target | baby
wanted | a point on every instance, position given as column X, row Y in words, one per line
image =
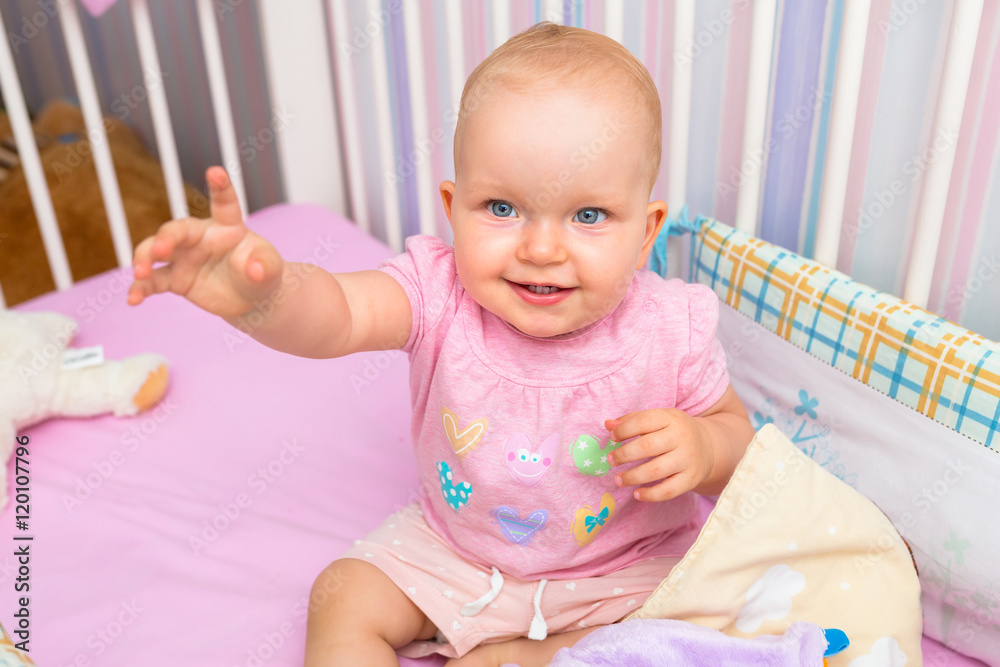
column 565, row 403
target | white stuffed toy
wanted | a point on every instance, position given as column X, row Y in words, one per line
column 34, row 385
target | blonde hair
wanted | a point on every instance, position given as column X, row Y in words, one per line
column 549, row 54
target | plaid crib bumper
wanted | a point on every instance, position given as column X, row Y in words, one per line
column 938, row 368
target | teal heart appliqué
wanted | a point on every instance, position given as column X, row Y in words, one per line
column 456, row 495
column 588, row 456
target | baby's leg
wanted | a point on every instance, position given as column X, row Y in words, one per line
column 521, row 651
column 358, row 616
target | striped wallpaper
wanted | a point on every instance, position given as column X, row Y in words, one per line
column 892, row 145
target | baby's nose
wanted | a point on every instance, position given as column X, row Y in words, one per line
column 542, row 243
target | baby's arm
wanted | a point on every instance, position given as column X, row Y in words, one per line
column 686, row 453
column 221, row 266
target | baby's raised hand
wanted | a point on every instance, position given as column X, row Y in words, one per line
column 680, row 456
column 216, row 263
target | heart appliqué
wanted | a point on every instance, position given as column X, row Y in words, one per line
column 468, row 439
column 588, row 523
column 516, row 529
column 456, row 495
column 589, row 457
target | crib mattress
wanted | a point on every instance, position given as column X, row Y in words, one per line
column 191, row 534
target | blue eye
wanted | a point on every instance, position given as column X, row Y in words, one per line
column 590, row 216
column 502, row 209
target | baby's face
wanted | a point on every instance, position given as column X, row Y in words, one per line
column 551, row 192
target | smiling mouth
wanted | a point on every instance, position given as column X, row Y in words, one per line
column 540, row 289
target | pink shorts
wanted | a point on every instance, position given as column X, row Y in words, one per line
column 473, row 605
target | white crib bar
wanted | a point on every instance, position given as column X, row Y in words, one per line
column 850, row 58
column 614, row 19
column 552, row 10
column 221, row 107
column 680, row 106
column 304, row 116
column 83, row 77
column 456, row 52
column 755, row 116
column 420, row 158
column 680, row 126
column 947, row 123
column 38, row 187
column 342, row 51
column 383, row 123
column 165, row 142
column 501, row 22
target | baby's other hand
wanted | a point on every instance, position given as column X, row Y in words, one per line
column 675, row 444
column 216, row 263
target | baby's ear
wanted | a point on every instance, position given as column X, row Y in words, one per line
column 447, row 189
column 656, row 214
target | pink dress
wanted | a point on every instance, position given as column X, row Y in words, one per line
column 509, row 429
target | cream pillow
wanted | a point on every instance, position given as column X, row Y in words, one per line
column 790, row 542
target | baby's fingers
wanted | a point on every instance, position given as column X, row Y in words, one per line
column 669, row 488
column 225, row 205
column 157, row 282
column 260, row 262
column 160, row 247
column 653, row 470
column 638, row 423
column 645, row 447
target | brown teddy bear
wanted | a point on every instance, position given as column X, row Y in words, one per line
column 76, row 196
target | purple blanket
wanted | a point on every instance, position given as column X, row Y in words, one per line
column 654, row 642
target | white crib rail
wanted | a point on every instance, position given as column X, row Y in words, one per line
column 160, row 111
column 38, row 189
column 301, row 88
column 847, row 87
column 754, row 120
column 83, row 77
column 947, row 119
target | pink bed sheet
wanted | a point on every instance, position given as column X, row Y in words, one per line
column 190, row 535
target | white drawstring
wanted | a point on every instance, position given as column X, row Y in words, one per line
column 539, row 630
column 496, row 583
